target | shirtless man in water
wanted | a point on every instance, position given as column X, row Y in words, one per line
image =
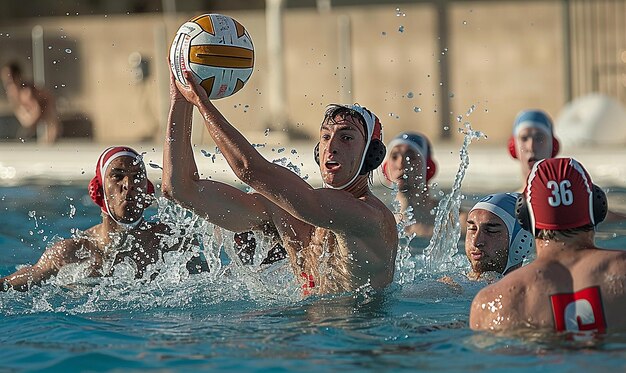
column 495, row 241
column 338, row 238
column 410, row 165
column 31, row 105
column 572, row 285
column 122, row 191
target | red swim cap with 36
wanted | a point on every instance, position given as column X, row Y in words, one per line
column 560, row 195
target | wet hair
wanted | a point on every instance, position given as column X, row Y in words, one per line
column 334, row 110
column 556, row 235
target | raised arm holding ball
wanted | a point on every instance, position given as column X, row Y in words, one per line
column 339, row 238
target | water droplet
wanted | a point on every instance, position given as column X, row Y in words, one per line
column 409, row 95
column 465, row 22
column 417, row 109
column 267, row 132
column 383, row 33
column 401, row 28
column 451, row 95
column 445, row 128
column 459, row 118
column 68, row 51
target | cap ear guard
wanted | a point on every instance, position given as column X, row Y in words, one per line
column 95, row 192
column 511, row 145
column 384, row 170
column 600, row 205
column 374, row 156
column 431, row 169
column 316, row 153
column 150, row 188
column 522, row 214
column 556, row 146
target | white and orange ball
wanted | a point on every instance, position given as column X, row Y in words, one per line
column 217, row 50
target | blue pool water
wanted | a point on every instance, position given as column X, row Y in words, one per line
column 225, row 321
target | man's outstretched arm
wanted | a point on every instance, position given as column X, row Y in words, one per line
column 319, row 207
column 47, row 266
column 219, row 203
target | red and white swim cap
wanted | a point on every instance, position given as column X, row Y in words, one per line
column 559, row 195
column 96, row 185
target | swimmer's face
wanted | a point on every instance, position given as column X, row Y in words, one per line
column 405, row 167
column 125, row 186
column 486, row 242
column 532, row 144
column 342, row 141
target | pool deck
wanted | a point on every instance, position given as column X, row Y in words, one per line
column 491, row 169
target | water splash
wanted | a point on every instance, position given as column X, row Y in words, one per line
column 439, row 255
column 447, row 230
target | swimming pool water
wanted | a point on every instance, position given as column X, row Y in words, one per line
column 210, row 322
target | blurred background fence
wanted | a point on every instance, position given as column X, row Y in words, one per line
column 418, row 64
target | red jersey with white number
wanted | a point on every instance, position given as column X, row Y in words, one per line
column 559, row 194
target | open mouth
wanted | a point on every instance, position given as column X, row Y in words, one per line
column 332, row 166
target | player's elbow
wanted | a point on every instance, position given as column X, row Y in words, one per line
column 251, row 172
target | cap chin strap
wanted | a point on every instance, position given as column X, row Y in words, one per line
column 358, row 171
column 127, row 226
column 370, row 123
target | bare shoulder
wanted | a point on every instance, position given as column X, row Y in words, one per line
column 604, row 259
column 65, row 251
column 493, row 306
column 378, row 207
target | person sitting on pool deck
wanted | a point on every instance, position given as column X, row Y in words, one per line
column 572, row 285
column 338, row 238
column 123, row 191
column 34, row 107
column 495, row 241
